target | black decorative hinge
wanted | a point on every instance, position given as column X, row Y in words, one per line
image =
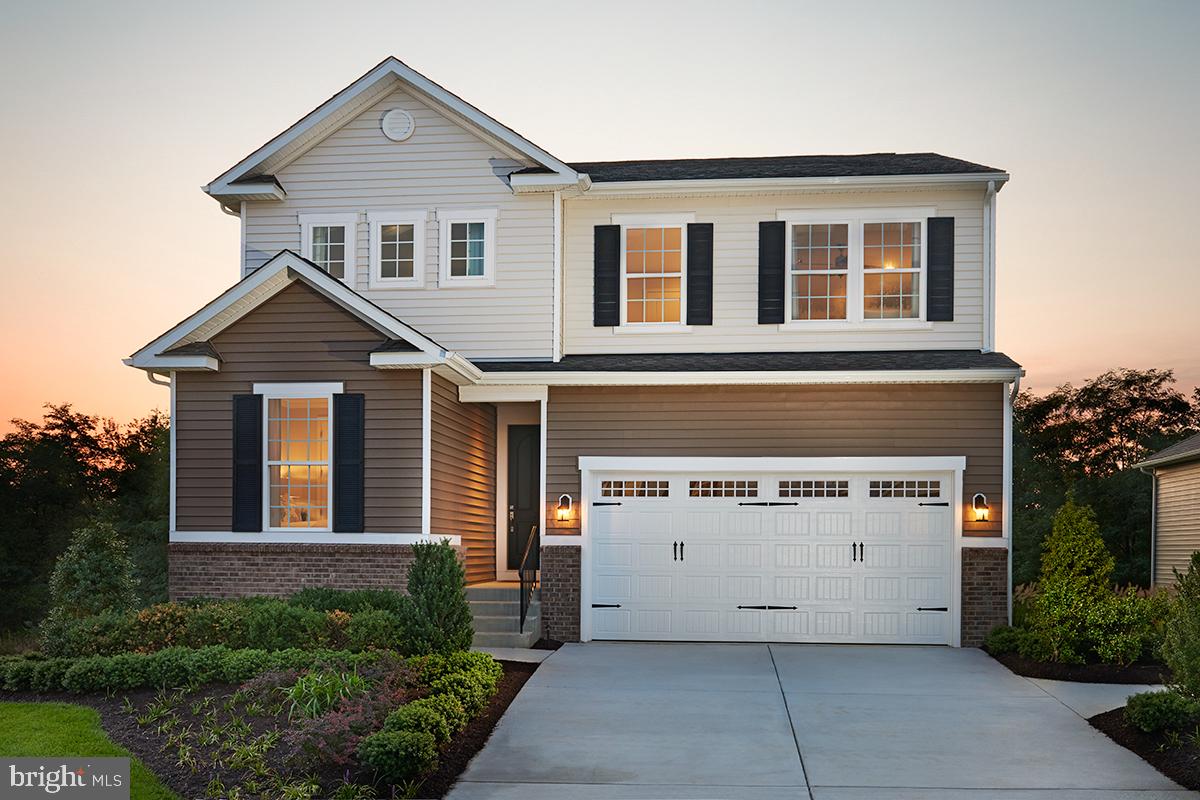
column 769, row 503
column 606, row 605
column 781, row 608
column 932, row 608
column 933, row 504
column 607, row 504
column 754, row 608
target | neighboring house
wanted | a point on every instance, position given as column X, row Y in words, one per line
column 1175, row 521
column 731, row 399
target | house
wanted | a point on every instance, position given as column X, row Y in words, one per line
column 1175, row 521
column 731, row 399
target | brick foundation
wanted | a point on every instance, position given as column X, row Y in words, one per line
column 276, row 569
column 560, row 569
column 984, row 592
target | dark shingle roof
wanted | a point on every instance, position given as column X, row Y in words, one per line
column 691, row 169
column 193, row 349
column 1187, row 450
column 762, row 362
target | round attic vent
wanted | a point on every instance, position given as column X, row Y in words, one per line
column 397, row 125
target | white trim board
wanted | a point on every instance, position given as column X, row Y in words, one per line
column 426, row 451
column 282, row 537
column 746, row 377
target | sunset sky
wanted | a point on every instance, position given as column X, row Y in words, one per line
column 116, row 113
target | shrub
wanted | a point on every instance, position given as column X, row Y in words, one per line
column 1003, row 640
column 1121, row 627
column 102, row 634
column 220, row 622
column 275, row 625
column 318, row 692
column 449, row 707
column 354, row 601
column 436, row 617
column 93, row 575
column 399, row 756
column 371, row 628
column 162, row 625
column 420, row 716
column 470, row 689
column 1181, row 632
column 1161, row 711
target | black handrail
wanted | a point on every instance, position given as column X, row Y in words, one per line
column 527, row 575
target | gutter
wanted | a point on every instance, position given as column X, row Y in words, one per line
column 747, row 377
column 603, row 188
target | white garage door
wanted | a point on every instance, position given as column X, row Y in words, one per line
column 801, row 557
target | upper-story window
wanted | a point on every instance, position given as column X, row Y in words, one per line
column 468, row 247
column 653, row 269
column 856, row 266
column 329, row 241
column 397, row 249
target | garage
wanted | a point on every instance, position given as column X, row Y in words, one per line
column 826, row 553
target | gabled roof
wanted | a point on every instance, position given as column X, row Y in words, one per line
column 252, row 178
column 187, row 347
column 814, row 166
column 1178, row 453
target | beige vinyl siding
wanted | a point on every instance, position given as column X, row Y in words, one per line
column 803, row 421
column 463, row 475
column 1177, row 519
column 357, row 169
column 735, row 325
column 298, row 336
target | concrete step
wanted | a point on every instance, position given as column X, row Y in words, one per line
column 512, row 593
column 494, row 639
column 505, row 624
column 500, row 608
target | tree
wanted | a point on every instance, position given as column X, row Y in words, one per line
column 1086, row 440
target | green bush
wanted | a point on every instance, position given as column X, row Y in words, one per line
column 277, row 625
column 374, row 629
column 436, row 616
column 450, row 709
column 1181, row 632
column 420, row 716
column 1003, row 640
column 94, row 575
column 399, row 756
column 470, row 688
column 1121, row 627
column 220, row 622
column 1161, row 711
column 352, row 601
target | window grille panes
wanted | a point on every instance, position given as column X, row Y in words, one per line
column 467, row 243
column 653, row 274
column 814, row 488
column 635, row 488
column 820, row 270
column 298, row 462
column 905, row 489
column 396, row 251
column 329, row 249
column 892, row 270
column 723, row 488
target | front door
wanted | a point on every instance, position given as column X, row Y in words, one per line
column 524, row 511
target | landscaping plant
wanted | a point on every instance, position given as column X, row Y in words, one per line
column 1162, row 711
column 436, row 616
column 1181, row 634
column 318, row 692
column 93, row 576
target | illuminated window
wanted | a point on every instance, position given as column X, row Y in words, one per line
column 820, row 270
column 723, row 488
column 892, row 270
column 298, row 461
column 653, row 274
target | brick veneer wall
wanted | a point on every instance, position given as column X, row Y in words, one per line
column 984, row 592
column 240, row 570
column 560, row 568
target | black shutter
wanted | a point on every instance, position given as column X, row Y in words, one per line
column 247, row 462
column 349, row 444
column 606, row 289
column 771, row 238
column 700, row 273
column 940, row 265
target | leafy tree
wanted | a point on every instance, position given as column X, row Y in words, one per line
column 1085, row 440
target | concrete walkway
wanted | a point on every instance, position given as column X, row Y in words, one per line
column 610, row 720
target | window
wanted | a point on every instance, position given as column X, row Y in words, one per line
column 892, row 270
column 329, row 241
column 905, row 489
column 820, row 268
column 635, row 488
column 723, row 488
column 397, row 249
column 856, row 266
column 653, row 269
column 468, row 244
column 815, row 488
column 298, row 461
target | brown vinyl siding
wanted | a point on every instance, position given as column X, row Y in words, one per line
column 298, row 335
column 462, row 451
column 1177, row 520
column 809, row 421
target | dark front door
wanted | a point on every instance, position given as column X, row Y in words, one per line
column 524, row 490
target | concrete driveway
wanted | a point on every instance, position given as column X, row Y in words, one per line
column 609, row 720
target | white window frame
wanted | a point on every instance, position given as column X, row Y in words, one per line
column 418, row 218
column 676, row 220
column 280, row 391
column 856, row 218
column 446, row 217
column 347, row 221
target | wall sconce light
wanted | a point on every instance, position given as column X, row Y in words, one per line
column 564, row 508
column 980, row 505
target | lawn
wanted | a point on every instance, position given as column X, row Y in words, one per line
column 61, row 729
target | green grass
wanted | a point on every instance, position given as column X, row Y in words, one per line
column 61, row 729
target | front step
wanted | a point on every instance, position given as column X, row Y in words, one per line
column 496, row 614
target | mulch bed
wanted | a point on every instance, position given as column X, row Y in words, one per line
column 146, row 744
column 1181, row 764
column 1084, row 673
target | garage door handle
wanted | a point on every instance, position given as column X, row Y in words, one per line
column 681, row 551
column 853, row 552
column 933, row 504
column 674, row 551
column 932, row 608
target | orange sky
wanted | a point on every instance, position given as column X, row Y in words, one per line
column 116, row 113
